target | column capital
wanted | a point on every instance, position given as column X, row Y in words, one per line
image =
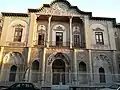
column 50, row 16
column 70, row 17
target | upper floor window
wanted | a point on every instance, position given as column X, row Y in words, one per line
column 59, row 38
column 41, row 34
column 76, row 36
column 99, row 38
column 18, row 34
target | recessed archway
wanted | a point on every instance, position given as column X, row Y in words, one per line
column 58, row 69
column 102, row 75
column 12, row 75
column 35, row 70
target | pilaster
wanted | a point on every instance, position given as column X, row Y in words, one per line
column 91, row 67
column 48, row 37
column 87, row 32
column 71, row 41
column 43, row 67
column 75, row 65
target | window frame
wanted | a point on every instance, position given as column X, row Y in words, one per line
column 99, row 38
column 18, row 38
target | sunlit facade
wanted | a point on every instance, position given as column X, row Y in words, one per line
column 58, row 44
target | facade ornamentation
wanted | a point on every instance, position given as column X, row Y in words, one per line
column 61, row 45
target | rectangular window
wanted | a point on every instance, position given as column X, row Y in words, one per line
column 18, row 34
column 76, row 40
column 59, row 38
column 41, row 39
column 99, row 38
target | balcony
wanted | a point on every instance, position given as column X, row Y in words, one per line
column 39, row 43
column 58, row 44
column 79, row 45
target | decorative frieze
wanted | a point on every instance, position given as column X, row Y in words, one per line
column 55, row 50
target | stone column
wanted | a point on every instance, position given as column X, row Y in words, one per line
column 91, row 67
column 75, row 66
column 71, row 41
column 48, row 36
column 43, row 67
column 87, row 32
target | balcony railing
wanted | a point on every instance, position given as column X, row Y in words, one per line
column 79, row 45
column 59, row 44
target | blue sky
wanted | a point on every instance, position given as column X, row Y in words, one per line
column 99, row 8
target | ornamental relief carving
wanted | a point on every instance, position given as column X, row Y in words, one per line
column 59, row 9
column 18, row 26
column 81, row 56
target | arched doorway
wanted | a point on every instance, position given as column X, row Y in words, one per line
column 102, row 75
column 82, row 67
column 58, row 69
column 12, row 75
column 35, row 70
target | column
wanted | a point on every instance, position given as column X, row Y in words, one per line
column 43, row 67
column 75, row 65
column 91, row 67
column 71, row 41
column 87, row 32
column 48, row 36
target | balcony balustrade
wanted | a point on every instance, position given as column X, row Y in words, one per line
column 59, row 44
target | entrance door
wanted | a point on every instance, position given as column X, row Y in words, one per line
column 58, row 69
column 59, row 38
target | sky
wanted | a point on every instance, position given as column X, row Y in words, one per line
column 99, row 8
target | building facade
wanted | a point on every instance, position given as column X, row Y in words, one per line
column 58, row 44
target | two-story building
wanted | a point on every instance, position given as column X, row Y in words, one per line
column 58, row 44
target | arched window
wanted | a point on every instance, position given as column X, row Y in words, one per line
column 82, row 67
column 35, row 71
column 12, row 75
column 102, row 75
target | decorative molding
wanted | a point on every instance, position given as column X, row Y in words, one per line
column 59, row 28
column 59, row 9
column 103, row 58
column 19, row 26
column 98, row 29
